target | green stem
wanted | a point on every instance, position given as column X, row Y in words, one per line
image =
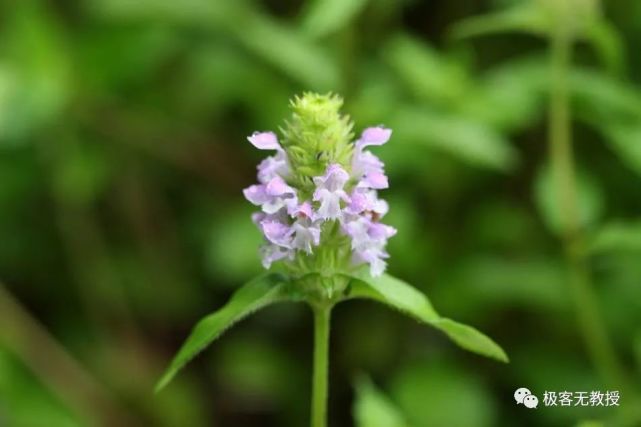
column 590, row 322
column 321, row 363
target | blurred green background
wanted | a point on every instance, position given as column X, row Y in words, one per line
column 122, row 160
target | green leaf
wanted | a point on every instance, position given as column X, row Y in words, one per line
column 26, row 401
column 540, row 19
column 589, row 197
column 373, row 409
column 266, row 289
column 471, row 339
column 602, row 99
column 327, row 16
column 526, row 17
column 398, row 294
column 467, row 140
column 281, row 46
column 34, row 71
column 625, row 141
column 431, row 390
column 275, row 42
column 607, row 43
column 509, row 96
column 613, row 107
column 617, row 236
column 395, row 292
column 428, row 74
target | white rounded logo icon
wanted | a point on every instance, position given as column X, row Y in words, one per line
column 531, row 401
column 520, row 394
column 525, row 397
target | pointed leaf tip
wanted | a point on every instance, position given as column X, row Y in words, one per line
column 263, row 290
column 471, row 339
column 402, row 296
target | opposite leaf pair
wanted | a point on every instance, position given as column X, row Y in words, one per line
column 271, row 288
column 320, row 216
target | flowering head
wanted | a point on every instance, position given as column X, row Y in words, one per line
column 320, row 216
column 318, row 192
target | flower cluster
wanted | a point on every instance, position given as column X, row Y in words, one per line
column 339, row 209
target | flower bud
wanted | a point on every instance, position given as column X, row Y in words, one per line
column 316, row 136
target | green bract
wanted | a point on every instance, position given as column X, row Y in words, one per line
column 316, row 136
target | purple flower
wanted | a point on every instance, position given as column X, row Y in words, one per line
column 369, row 239
column 306, row 235
column 329, row 192
column 256, row 194
column 374, row 257
column 273, row 196
column 264, row 141
column 272, row 166
column 364, row 200
column 377, row 135
column 379, row 232
column 366, row 167
column 277, row 232
column 303, row 210
column 291, row 226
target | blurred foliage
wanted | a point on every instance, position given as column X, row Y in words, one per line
column 123, row 156
column 373, row 409
column 24, row 401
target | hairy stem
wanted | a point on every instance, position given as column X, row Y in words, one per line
column 590, row 321
column 321, row 363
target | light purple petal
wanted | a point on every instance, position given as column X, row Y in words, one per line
column 271, row 253
column 377, row 267
column 381, row 232
column 277, row 233
column 329, row 192
column 364, row 163
column 372, row 256
column 278, row 187
column 306, row 235
column 334, row 179
column 369, row 162
column 363, row 199
column 374, row 136
column 256, row 194
column 380, row 207
column 330, row 207
column 258, row 217
column 264, row 140
column 359, row 202
column 273, row 166
column 376, row 180
column 303, row 210
column 358, row 231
